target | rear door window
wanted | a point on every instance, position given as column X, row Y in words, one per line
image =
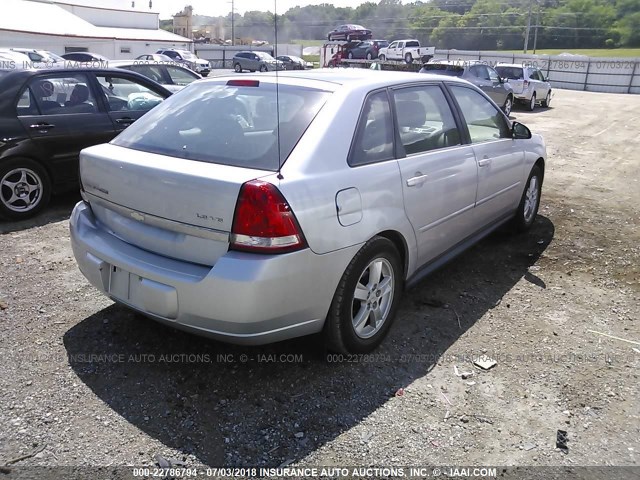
column 62, row 94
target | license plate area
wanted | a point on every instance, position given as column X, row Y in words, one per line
column 119, row 283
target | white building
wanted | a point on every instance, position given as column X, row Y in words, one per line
column 117, row 29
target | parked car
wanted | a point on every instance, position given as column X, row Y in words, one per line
column 171, row 76
column 13, row 59
column 48, row 115
column 254, row 234
column 291, row 62
column 87, row 57
column 367, row 49
column 256, row 61
column 203, row 67
column 478, row 73
column 408, row 50
column 40, row 56
column 349, row 32
column 529, row 84
column 155, row 57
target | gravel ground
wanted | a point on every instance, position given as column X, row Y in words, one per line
column 84, row 382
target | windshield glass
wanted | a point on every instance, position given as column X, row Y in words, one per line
column 251, row 126
column 264, row 56
column 512, row 73
column 443, row 69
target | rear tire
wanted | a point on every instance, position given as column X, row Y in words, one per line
column 366, row 300
column 532, row 103
column 350, row 55
column 508, row 105
column 263, row 68
column 237, row 67
column 369, row 56
column 25, row 188
column 530, row 202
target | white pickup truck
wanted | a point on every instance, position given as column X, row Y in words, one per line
column 408, row 50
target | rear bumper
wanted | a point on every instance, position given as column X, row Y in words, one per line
column 244, row 298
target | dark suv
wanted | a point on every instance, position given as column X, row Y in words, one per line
column 253, row 61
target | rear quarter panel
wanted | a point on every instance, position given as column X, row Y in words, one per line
column 317, row 170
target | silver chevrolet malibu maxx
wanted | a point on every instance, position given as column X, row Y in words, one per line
column 258, row 208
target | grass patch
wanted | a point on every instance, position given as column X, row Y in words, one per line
column 590, row 52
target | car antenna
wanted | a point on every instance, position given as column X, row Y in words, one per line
column 275, row 25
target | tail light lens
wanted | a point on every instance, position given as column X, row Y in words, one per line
column 263, row 221
column 525, row 83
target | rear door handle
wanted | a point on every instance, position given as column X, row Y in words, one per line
column 125, row 120
column 41, row 126
column 419, row 179
column 484, row 162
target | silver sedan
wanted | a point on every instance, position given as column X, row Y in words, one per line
column 258, row 208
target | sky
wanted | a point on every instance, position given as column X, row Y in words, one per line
column 167, row 8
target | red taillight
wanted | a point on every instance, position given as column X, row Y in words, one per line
column 243, row 83
column 263, row 221
column 525, row 83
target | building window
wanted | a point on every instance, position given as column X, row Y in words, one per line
column 75, row 49
column 125, row 49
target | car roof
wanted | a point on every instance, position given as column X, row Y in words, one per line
column 515, row 65
column 332, row 78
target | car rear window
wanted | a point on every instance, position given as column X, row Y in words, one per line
column 512, row 73
column 443, row 69
column 412, row 44
column 252, row 126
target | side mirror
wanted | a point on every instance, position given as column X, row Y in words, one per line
column 519, row 131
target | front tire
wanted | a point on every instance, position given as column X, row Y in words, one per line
column 382, row 58
column 547, row 100
column 408, row 58
column 350, row 55
column 530, row 201
column 366, row 300
column 369, row 56
column 237, row 67
column 25, row 189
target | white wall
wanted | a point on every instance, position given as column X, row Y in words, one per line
column 108, row 47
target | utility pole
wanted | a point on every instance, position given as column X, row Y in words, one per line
column 526, row 34
column 535, row 32
column 233, row 21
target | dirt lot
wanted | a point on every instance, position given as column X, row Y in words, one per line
column 84, row 382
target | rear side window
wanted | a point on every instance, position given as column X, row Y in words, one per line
column 512, row 73
column 251, row 126
column 413, row 44
column 374, row 136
